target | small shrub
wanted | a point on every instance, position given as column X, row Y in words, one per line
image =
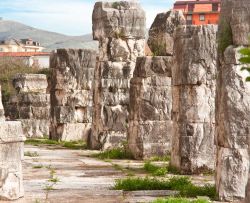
column 115, row 5
column 37, row 166
column 245, row 59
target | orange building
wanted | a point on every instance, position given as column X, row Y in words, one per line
column 199, row 12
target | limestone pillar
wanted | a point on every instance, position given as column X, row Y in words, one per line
column 11, row 154
column 232, row 102
column 194, row 80
column 150, row 125
column 72, row 94
column 120, row 29
column 30, row 104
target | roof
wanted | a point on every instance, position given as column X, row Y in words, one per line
column 23, row 54
column 197, row 2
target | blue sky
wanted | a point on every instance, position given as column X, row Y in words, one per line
column 72, row 17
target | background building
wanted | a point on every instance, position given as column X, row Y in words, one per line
column 199, row 12
column 22, row 45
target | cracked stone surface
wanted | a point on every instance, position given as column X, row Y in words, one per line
column 72, row 94
column 150, row 124
column 194, row 85
column 30, row 105
column 120, row 29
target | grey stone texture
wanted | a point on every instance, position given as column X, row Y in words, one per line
column 11, row 154
column 232, row 103
column 232, row 127
column 120, row 29
column 194, row 83
column 150, row 125
column 30, row 104
column 72, row 94
column 161, row 32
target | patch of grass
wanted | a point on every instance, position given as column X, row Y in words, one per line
column 49, row 187
column 74, row 145
column 173, row 170
column 37, row 166
column 225, row 36
column 180, row 200
column 159, row 158
column 117, row 153
column 68, row 145
column 54, row 180
column 31, row 154
column 154, row 170
column 181, row 184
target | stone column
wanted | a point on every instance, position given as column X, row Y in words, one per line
column 194, row 79
column 150, row 125
column 72, row 94
column 232, row 102
column 11, row 154
column 120, row 29
column 31, row 104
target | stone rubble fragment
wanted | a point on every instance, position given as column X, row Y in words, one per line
column 161, row 33
column 193, row 79
column 11, row 154
column 72, row 94
column 30, row 104
column 120, row 29
column 150, row 125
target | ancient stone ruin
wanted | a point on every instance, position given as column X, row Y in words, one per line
column 120, row 29
column 161, row 33
column 232, row 102
column 11, row 154
column 31, row 104
column 150, row 125
column 72, row 94
column 193, row 79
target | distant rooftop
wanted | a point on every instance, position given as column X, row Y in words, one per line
column 23, row 54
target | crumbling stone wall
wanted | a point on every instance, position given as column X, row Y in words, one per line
column 31, row 104
column 72, row 94
column 150, row 125
column 232, row 102
column 194, row 83
column 11, row 154
column 120, row 29
column 161, row 32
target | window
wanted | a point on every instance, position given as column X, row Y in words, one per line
column 189, row 17
column 202, row 17
column 215, row 7
column 190, row 7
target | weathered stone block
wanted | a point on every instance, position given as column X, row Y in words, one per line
column 193, row 149
column 149, row 138
column 161, row 33
column 72, row 93
column 232, row 173
column 35, row 128
column 235, row 15
column 121, row 18
column 11, row 154
column 195, row 55
column 194, row 103
column 194, row 80
column 36, row 83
